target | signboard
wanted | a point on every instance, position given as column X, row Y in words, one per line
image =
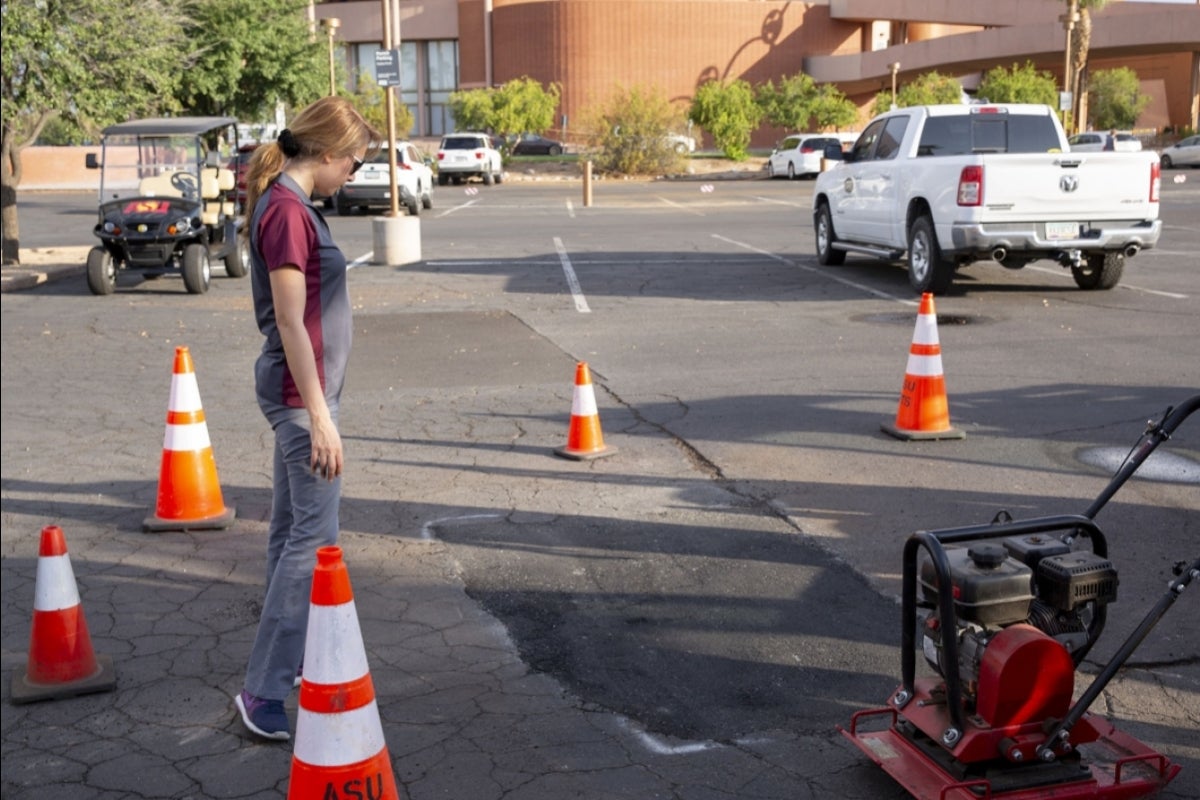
column 387, row 67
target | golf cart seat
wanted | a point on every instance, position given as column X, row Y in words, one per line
column 215, row 182
column 158, row 186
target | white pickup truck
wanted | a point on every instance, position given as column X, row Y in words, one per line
column 954, row 184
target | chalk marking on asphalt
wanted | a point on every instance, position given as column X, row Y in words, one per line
column 573, row 282
column 1130, row 287
column 458, row 207
column 680, row 206
column 659, row 746
column 824, row 273
column 570, row 210
column 427, row 528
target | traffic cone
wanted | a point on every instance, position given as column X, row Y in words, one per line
column 189, row 496
column 584, row 439
column 340, row 750
column 924, row 411
column 61, row 661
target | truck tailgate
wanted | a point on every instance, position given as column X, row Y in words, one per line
column 1074, row 187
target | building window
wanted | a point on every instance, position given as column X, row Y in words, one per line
column 441, row 79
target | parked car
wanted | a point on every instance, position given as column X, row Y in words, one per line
column 371, row 186
column 1095, row 142
column 680, row 144
column 799, row 155
column 240, row 164
column 531, row 144
column 465, row 155
column 1184, row 153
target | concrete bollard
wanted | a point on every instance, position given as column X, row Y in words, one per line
column 397, row 240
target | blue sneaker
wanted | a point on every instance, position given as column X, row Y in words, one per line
column 263, row 717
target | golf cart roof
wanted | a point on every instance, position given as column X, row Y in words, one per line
column 169, row 126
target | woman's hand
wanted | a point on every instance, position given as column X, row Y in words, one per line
column 327, row 457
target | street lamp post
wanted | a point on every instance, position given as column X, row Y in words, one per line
column 331, row 24
column 894, row 67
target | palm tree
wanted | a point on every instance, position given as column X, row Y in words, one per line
column 1080, row 43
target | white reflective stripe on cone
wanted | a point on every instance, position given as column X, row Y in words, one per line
column 187, row 438
column 335, row 740
column 343, row 659
column 926, row 331
column 924, row 366
column 56, row 589
column 583, row 404
column 185, row 393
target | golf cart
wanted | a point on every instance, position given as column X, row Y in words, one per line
column 167, row 204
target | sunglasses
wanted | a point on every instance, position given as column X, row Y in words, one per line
column 358, row 162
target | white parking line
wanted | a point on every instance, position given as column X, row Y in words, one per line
column 824, row 273
column 782, row 202
column 1059, row 272
column 358, row 262
column 459, row 207
column 680, row 206
column 573, row 282
column 570, row 210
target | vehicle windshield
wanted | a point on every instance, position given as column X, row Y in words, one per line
column 462, row 143
column 132, row 162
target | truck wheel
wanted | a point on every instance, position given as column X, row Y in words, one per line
column 1100, row 271
column 826, row 254
column 487, row 177
column 500, row 177
column 237, row 263
column 927, row 270
column 101, row 271
column 196, row 272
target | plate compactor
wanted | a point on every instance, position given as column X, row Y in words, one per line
column 1004, row 613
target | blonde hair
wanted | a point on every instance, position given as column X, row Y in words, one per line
column 330, row 126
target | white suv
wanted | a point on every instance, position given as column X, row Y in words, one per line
column 463, row 155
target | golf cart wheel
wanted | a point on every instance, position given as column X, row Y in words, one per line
column 237, row 263
column 196, row 272
column 101, row 271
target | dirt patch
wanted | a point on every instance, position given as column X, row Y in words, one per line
column 35, row 256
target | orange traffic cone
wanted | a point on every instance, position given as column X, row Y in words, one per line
column 61, row 661
column 584, row 439
column 924, row 412
column 189, row 496
column 340, row 750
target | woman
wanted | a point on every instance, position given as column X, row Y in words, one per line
column 302, row 305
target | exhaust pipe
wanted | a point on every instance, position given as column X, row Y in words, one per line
column 999, row 254
column 1132, row 250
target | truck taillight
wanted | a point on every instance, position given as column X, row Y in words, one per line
column 970, row 186
column 1155, row 181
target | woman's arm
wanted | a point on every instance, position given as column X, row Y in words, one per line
column 289, row 292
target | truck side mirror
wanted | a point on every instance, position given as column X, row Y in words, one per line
column 91, row 162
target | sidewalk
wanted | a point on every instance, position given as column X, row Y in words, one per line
column 44, row 265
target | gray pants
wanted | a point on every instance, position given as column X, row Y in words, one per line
column 304, row 516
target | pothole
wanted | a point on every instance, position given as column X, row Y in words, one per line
column 1159, row 466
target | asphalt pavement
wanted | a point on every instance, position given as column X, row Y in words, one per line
column 471, row 708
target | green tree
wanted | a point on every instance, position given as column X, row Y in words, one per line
column 1020, row 84
column 371, row 101
column 87, row 62
column 628, row 132
column 729, row 112
column 800, row 104
column 930, row 88
column 522, row 105
column 1116, row 98
column 251, row 54
column 472, row 108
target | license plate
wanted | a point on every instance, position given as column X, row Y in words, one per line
column 1062, row 230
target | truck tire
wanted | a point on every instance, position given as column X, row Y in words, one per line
column 1099, row 271
column 927, row 270
column 823, row 226
column 196, row 272
column 101, row 271
column 237, row 262
column 487, row 177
